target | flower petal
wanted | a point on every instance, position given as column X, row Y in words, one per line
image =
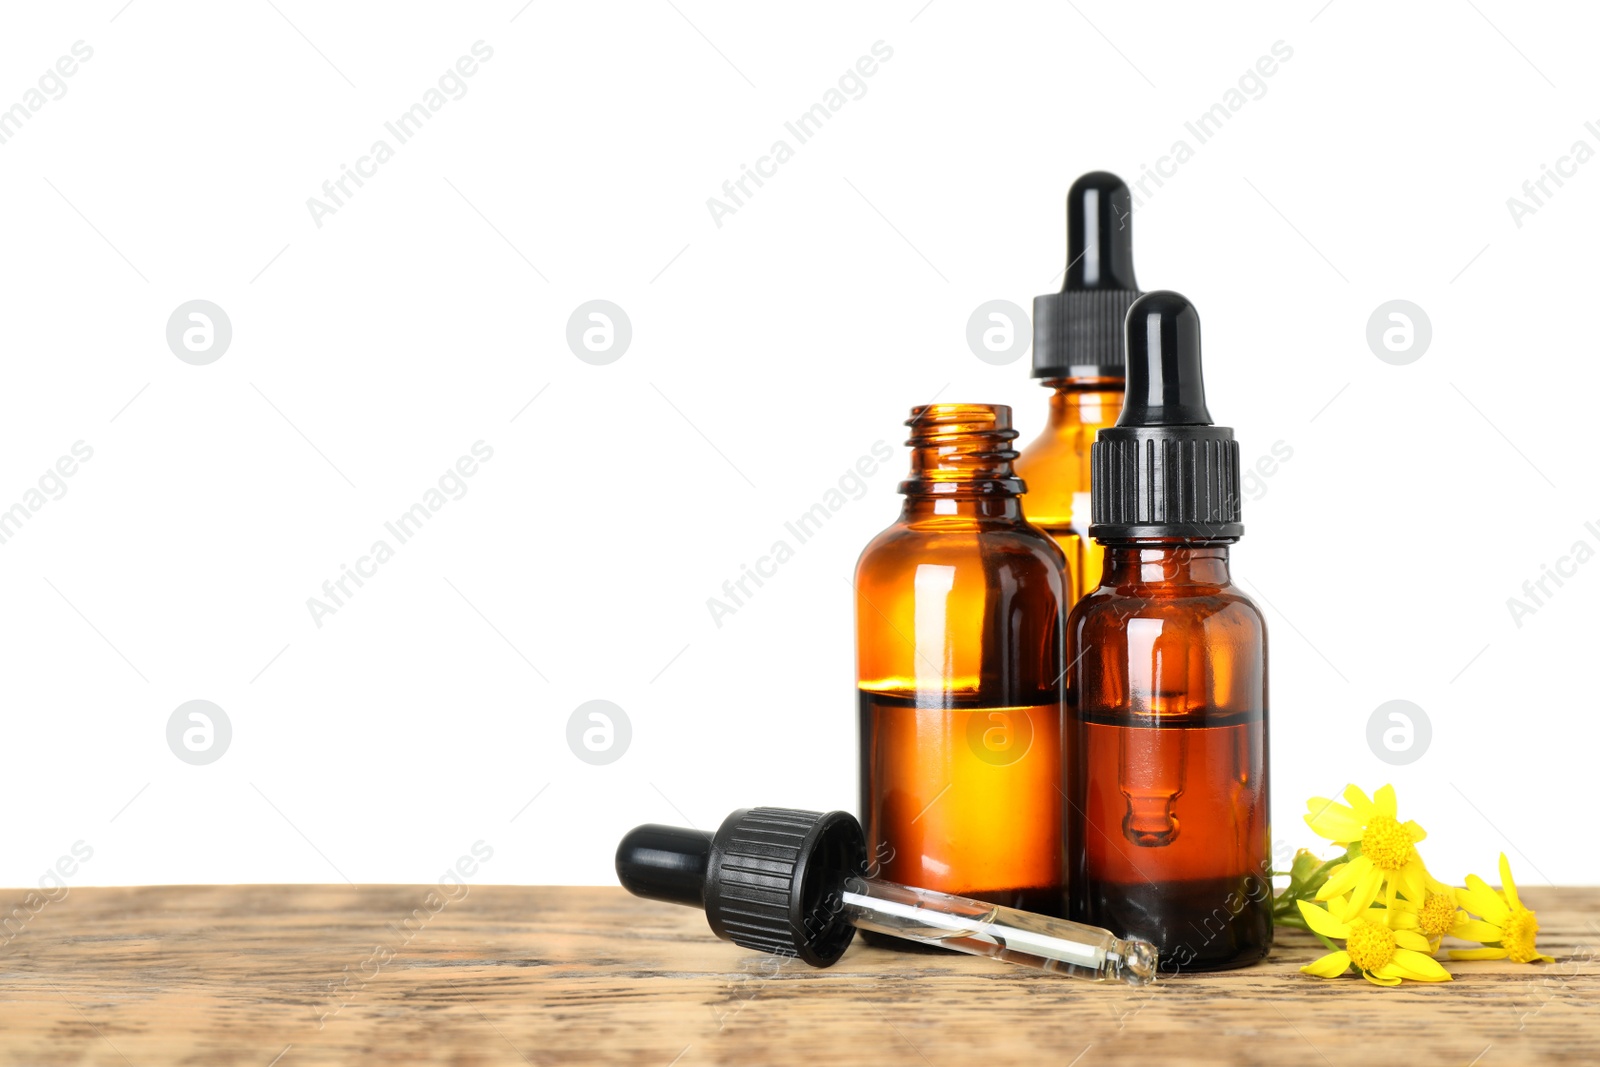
column 1365, row 892
column 1417, row 832
column 1333, row 821
column 1347, row 878
column 1478, row 953
column 1479, row 899
column 1385, row 802
column 1416, row 965
column 1476, row 930
column 1318, row 805
column 1506, row 883
column 1330, row 966
column 1322, row 922
column 1411, row 939
column 1413, row 893
column 1379, row 978
column 1414, row 881
column 1359, row 803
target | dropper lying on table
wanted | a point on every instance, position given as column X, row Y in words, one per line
column 794, row 883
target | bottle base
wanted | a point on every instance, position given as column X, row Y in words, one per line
column 1213, row 924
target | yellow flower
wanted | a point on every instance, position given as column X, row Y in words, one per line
column 1388, row 849
column 1506, row 928
column 1382, row 954
column 1435, row 915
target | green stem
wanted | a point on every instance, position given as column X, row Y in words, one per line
column 1286, row 908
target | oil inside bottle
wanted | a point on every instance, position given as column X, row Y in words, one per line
column 1177, row 831
column 965, row 798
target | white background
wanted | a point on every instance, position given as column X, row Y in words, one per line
column 767, row 356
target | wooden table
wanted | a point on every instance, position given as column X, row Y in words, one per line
column 297, row 975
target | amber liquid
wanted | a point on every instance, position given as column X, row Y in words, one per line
column 1056, row 467
column 965, row 799
column 1175, row 842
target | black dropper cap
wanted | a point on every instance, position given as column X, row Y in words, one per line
column 769, row 879
column 1078, row 331
column 1164, row 471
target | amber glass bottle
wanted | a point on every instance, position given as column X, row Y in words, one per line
column 1078, row 352
column 959, row 612
column 1055, row 467
column 1167, row 826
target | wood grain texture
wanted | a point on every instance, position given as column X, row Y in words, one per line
column 297, row 975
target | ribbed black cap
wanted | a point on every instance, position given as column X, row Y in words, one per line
column 1164, row 470
column 769, row 878
column 1078, row 331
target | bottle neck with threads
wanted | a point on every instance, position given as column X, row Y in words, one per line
column 1178, row 566
column 961, row 463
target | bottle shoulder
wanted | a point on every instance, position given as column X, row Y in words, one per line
column 1111, row 608
column 1198, row 657
column 954, row 534
column 957, row 541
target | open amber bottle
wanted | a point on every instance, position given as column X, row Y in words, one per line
column 959, row 612
column 1078, row 354
column 1167, row 826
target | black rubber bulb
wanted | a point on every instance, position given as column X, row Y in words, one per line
column 1099, row 234
column 665, row 863
column 1164, row 379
